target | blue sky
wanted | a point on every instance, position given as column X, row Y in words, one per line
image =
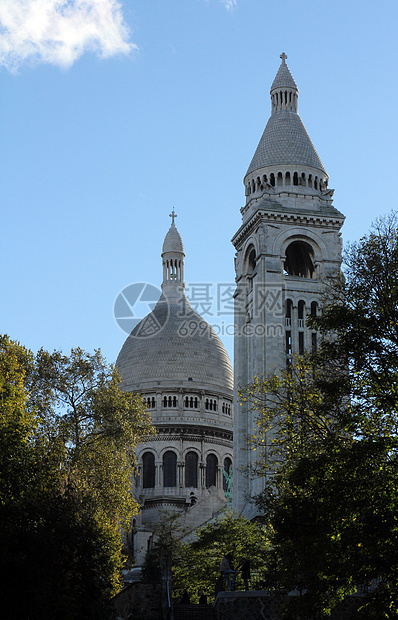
column 114, row 113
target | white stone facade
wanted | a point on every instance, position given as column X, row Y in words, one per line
column 288, row 243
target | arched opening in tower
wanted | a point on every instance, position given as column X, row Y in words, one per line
column 252, row 261
column 299, row 260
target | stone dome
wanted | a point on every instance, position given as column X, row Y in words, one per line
column 174, row 347
column 172, row 241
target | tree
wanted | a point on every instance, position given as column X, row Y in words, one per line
column 329, row 424
column 361, row 310
column 167, row 534
column 196, row 564
column 99, row 425
column 67, row 437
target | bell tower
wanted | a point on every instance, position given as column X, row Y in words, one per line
column 288, row 243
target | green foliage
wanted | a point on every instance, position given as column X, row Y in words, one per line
column 67, row 437
column 328, row 431
column 167, row 533
column 196, row 564
column 297, row 410
column 361, row 310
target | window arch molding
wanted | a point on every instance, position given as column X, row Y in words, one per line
column 285, row 238
column 250, row 257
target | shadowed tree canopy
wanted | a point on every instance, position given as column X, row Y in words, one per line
column 67, row 438
column 327, row 427
column 196, row 564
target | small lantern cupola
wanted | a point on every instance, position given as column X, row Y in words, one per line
column 284, row 90
column 173, row 260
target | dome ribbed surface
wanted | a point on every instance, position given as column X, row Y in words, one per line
column 285, row 141
column 284, row 79
column 186, row 347
column 172, row 241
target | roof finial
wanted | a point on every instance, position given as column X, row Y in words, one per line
column 283, row 56
column 173, row 215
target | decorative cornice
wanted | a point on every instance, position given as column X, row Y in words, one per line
column 303, row 218
column 158, row 502
column 195, row 391
column 193, row 434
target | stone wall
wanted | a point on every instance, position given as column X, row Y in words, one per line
column 139, row 601
column 258, row 605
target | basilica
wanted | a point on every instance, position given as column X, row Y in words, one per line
column 288, row 243
column 178, row 363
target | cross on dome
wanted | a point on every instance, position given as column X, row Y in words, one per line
column 173, row 215
column 283, row 56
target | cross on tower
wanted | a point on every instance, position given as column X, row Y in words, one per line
column 283, row 56
column 172, row 215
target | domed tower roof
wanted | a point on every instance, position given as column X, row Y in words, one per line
column 284, row 78
column 173, row 346
column 172, row 241
column 285, row 139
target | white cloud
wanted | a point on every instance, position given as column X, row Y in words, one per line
column 230, row 4
column 60, row 31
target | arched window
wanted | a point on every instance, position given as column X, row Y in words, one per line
column 191, row 470
column 169, row 469
column 226, row 472
column 314, row 308
column 300, row 260
column 314, row 312
column 211, row 470
column 148, row 470
column 252, row 261
column 165, row 401
column 288, row 312
column 174, row 401
column 301, row 310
